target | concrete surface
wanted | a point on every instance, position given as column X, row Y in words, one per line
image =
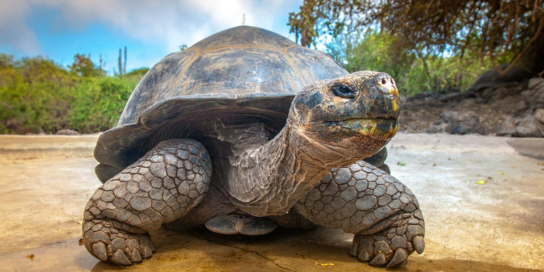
column 532, row 147
column 497, row 226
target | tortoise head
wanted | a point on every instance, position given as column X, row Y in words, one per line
column 356, row 113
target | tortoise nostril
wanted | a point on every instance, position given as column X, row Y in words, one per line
column 383, row 81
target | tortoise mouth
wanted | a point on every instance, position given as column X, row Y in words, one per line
column 375, row 128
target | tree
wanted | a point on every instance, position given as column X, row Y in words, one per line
column 83, row 66
column 501, row 31
column 376, row 51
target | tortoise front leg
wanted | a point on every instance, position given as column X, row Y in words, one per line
column 159, row 188
column 383, row 214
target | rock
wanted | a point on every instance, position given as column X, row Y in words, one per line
column 502, row 92
column 536, row 82
column 469, row 103
column 508, row 127
column 528, row 127
column 539, row 115
column 535, row 95
column 67, row 131
column 441, row 127
column 494, row 109
column 459, row 123
column 521, row 108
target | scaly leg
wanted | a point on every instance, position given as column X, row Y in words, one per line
column 159, row 188
column 383, row 214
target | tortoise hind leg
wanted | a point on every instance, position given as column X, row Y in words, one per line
column 383, row 214
column 161, row 187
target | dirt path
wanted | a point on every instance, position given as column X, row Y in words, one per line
column 497, row 226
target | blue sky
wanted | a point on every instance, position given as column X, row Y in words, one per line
column 150, row 29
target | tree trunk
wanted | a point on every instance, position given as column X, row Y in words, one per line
column 533, row 60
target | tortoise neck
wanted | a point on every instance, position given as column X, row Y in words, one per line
column 270, row 179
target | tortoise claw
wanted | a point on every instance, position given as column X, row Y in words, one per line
column 419, row 244
column 379, row 260
column 400, row 256
column 391, row 247
column 118, row 246
column 99, row 251
column 120, row 258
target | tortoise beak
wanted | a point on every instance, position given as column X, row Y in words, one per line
column 381, row 103
column 382, row 99
column 376, row 128
column 361, row 105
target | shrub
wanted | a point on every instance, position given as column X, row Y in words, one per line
column 38, row 95
column 413, row 73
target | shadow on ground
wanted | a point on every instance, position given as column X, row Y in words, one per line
column 497, row 226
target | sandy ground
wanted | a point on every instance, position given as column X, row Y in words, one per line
column 498, row 226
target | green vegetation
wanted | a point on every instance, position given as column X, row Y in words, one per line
column 426, row 45
column 38, row 95
column 413, row 74
column 497, row 32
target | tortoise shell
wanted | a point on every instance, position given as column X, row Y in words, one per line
column 240, row 75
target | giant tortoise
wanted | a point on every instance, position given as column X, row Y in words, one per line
column 246, row 131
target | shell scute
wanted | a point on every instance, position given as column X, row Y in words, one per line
column 240, row 72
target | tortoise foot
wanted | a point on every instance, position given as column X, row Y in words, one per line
column 110, row 244
column 231, row 224
column 391, row 247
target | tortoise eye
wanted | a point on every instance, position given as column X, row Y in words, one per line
column 343, row 91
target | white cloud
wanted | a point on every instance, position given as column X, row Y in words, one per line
column 14, row 31
column 161, row 21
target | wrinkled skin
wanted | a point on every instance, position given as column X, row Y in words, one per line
column 332, row 124
column 323, row 131
column 350, row 121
